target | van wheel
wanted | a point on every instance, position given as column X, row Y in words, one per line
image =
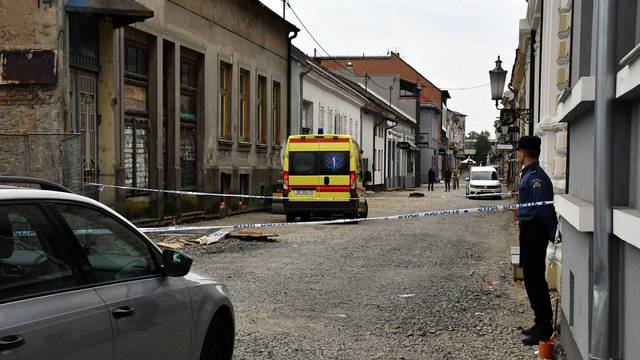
column 365, row 213
column 291, row 217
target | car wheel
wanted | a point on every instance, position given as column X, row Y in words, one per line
column 218, row 344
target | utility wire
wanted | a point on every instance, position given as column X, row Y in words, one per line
column 332, row 58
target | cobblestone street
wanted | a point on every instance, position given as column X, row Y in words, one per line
column 432, row 288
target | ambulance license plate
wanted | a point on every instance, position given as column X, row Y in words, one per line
column 303, row 192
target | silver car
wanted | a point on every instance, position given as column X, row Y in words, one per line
column 78, row 281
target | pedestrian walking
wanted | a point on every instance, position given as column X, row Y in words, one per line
column 431, row 179
column 537, row 227
column 447, row 180
column 456, row 179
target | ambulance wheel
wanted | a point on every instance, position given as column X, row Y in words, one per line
column 291, row 217
column 365, row 213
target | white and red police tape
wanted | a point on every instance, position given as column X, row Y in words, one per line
column 266, row 197
column 410, row 216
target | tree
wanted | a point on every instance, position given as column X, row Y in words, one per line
column 483, row 146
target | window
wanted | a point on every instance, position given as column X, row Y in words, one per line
column 33, row 258
column 188, row 122
column 321, row 116
column 136, row 127
column 262, row 110
column 245, row 91
column 114, row 251
column 319, row 163
column 329, row 129
column 484, row 175
column 307, row 116
column 225, row 101
column 275, row 115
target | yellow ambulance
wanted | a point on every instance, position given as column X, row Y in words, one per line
column 323, row 176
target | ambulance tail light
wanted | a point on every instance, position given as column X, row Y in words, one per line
column 285, row 177
column 352, row 180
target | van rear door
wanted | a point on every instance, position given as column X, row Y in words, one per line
column 323, row 173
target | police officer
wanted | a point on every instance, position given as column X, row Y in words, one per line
column 537, row 227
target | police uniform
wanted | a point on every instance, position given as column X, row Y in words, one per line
column 537, row 224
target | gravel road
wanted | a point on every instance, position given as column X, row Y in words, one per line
column 432, row 288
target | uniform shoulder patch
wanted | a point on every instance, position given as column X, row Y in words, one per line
column 536, row 184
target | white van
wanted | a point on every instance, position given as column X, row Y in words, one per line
column 483, row 180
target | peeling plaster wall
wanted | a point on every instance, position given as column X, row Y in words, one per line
column 33, row 108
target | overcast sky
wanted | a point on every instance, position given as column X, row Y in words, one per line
column 453, row 43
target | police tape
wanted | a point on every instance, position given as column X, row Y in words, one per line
column 409, row 216
column 266, row 197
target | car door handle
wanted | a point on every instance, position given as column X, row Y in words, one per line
column 123, row 311
column 11, row 342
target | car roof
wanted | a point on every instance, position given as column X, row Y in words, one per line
column 22, row 193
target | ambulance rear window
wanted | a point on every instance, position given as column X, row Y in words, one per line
column 319, row 163
column 302, row 163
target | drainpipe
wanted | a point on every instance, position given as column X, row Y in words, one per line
column 302, row 75
column 532, row 77
column 604, row 116
column 291, row 37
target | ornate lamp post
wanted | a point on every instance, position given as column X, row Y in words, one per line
column 497, row 77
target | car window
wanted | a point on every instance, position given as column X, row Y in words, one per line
column 32, row 260
column 113, row 250
column 484, row 175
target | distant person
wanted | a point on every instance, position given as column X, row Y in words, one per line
column 456, row 179
column 537, row 228
column 432, row 179
column 447, row 180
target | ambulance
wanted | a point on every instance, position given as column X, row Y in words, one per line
column 323, row 176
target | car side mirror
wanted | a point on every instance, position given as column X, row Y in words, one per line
column 176, row 263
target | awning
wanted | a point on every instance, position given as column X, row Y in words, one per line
column 121, row 12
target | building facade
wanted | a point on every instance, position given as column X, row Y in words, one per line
column 584, row 332
column 172, row 95
column 569, row 109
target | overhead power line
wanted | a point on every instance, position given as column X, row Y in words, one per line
column 333, row 59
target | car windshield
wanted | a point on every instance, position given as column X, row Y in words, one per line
column 484, row 175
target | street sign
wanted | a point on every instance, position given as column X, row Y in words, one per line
column 505, row 147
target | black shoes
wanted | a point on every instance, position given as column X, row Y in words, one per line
column 536, row 334
column 527, row 331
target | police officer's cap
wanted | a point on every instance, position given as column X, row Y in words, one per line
column 529, row 143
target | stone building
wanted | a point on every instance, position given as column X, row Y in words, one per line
column 170, row 94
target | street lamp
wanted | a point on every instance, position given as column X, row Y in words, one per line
column 497, row 78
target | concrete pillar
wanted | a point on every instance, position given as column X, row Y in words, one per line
column 173, row 126
column 156, row 166
column 121, row 200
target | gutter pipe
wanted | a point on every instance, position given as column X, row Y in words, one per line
column 603, row 189
column 291, row 37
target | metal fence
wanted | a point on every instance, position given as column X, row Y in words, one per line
column 54, row 157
